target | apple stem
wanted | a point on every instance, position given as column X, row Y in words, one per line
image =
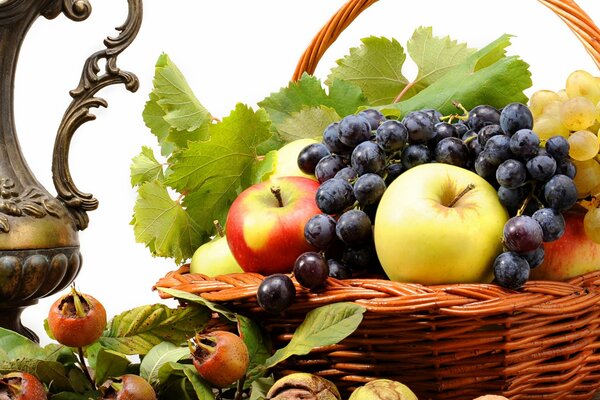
column 466, row 190
column 276, row 190
column 219, row 228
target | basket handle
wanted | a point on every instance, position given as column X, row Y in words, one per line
column 568, row 10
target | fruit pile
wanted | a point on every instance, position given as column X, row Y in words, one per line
column 363, row 154
column 574, row 114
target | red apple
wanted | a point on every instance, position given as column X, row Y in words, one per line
column 265, row 231
column 572, row 255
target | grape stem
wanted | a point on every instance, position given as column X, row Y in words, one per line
column 404, row 90
column 276, row 190
column 466, row 190
column 525, row 204
column 462, row 117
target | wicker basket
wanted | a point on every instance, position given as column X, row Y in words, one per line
column 455, row 341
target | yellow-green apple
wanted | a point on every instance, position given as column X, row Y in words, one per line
column 214, row 258
column 265, row 224
column 286, row 159
column 438, row 223
column 572, row 255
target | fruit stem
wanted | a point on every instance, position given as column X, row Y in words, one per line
column 240, row 388
column 219, row 228
column 84, row 367
column 276, row 190
column 525, row 204
column 403, row 92
column 466, row 190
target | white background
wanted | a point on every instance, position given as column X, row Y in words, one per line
column 230, row 51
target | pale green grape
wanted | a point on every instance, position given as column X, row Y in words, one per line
column 584, row 145
column 583, row 84
column 578, row 113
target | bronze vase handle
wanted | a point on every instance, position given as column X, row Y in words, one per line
column 84, row 98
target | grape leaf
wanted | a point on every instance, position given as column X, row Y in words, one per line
column 187, row 119
column 344, row 97
column 158, row 356
column 215, row 171
column 487, row 76
column 163, row 224
column 145, row 168
column 137, row 331
column 434, row 56
column 154, row 118
column 375, row 67
column 265, row 167
column 322, row 326
column 308, row 123
column 308, row 92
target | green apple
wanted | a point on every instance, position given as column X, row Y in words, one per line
column 437, row 224
column 286, row 161
column 214, row 258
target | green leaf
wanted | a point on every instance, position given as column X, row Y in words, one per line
column 375, row 67
column 322, row 326
column 306, row 92
column 434, row 56
column 145, row 168
column 110, row 364
column 137, row 331
column 89, row 395
column 177, row 389
column 187, row 118
column 52, row 373
column 163, row 224
column 487, row 77
column 154, row 118
column 345, row 97
column 263, row 169
column 180, row 294
column 170, row 369
column 260, row 388
column 158, row 356
column 18, row 346
column 307, row 124
column 202, row 390
column 259, row 347
column 214, row 172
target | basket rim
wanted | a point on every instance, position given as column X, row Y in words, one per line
column 385, row 296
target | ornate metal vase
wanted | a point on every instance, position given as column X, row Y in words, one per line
column 39, row 245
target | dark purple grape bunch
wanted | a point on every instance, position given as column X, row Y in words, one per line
column 534, row 183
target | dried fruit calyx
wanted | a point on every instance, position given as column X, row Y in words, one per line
column 303, row 386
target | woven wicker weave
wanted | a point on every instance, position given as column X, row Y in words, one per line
column 445, row 342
